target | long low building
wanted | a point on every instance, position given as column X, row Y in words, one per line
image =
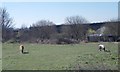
column 103, row 38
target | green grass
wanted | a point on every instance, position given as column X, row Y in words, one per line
column 84, row 56
column 0, row 56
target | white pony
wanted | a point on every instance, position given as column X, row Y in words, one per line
column 21, row 49
column 101, row 47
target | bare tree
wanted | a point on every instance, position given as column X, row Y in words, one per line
column 5, row 20
column 65, row 30
column 6, row 24
column 43, row 23
column 75, row 20
column 43, row 29
column 23, row 34
column 77, row 29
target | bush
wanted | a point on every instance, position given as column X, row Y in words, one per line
column 66, row 41
column 11, row 41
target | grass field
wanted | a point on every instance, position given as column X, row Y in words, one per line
column 84, row 56
column 0, row 56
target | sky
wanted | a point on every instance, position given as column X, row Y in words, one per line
column 59, row 0
column 27, row 13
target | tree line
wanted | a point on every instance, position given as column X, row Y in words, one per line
column 73, row 30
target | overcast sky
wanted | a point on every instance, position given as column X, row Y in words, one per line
column 30, row 12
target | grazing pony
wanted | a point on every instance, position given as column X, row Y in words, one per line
column 21, row 49
column 101, row 47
